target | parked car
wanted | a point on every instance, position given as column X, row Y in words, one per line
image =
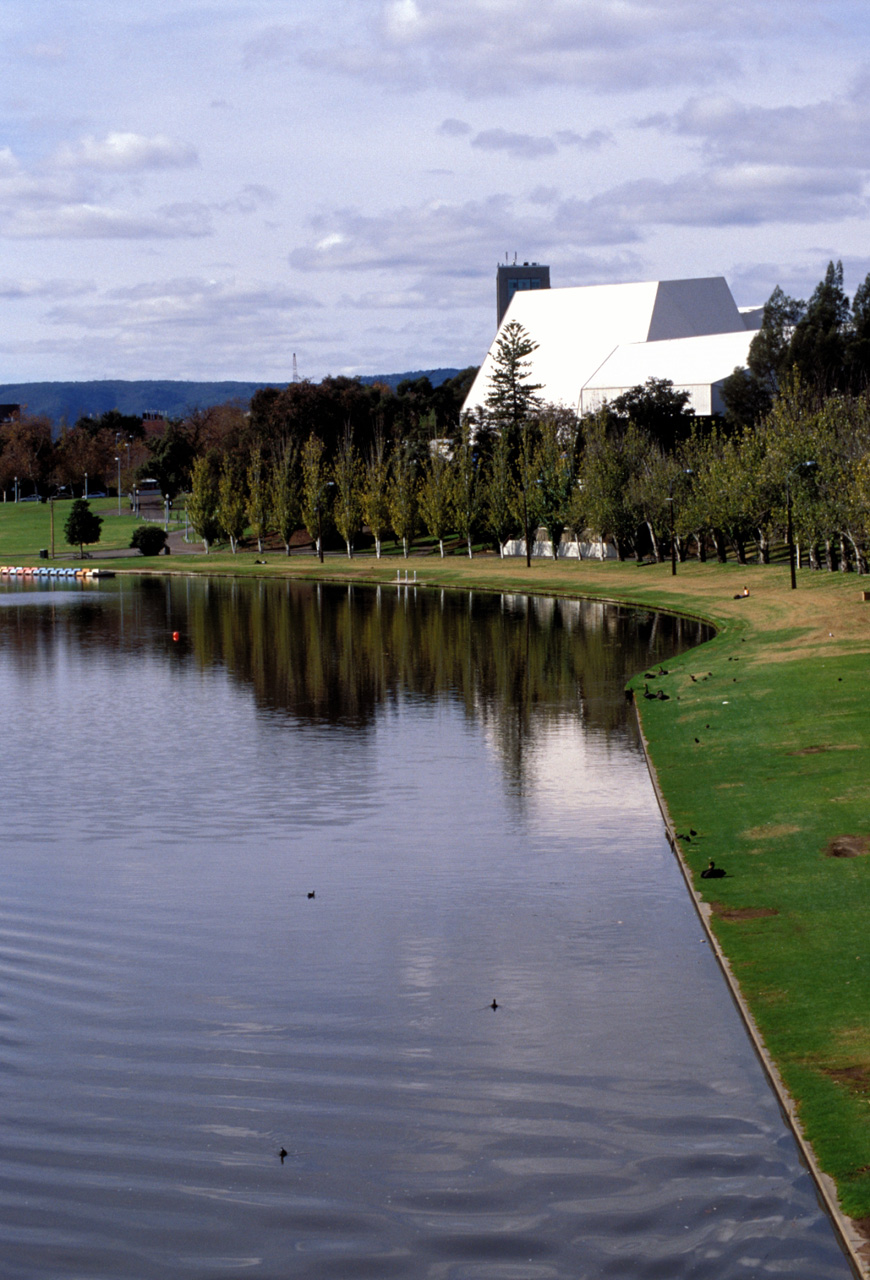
column 96, row 493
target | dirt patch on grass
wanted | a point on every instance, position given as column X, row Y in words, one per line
column 773, row 831
column 847, row 847
column 724, row 912
column 728, row 786
column 856, row 1078
column 816, row 751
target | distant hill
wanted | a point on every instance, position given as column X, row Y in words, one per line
column 72, row 400
column 435, row 376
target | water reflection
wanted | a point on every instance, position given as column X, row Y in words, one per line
column 329, row 655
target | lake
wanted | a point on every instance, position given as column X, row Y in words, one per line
column 259, row 889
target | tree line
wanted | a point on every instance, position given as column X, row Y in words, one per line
column 342, row 460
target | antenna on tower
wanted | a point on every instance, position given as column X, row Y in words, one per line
column 295, row 369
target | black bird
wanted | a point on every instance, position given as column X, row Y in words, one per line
column 282, row 1153
column 494, row 1004
column 692, row 831
column 662, row 696
column 697, row 739
column 712, row 872
column 311, row 894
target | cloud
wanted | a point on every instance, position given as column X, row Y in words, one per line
column 483, row 48
column 526, row 146
column 182, row 303
column 452, row 128
column 584, row 141
column 126, row 153
column 820, row 134
column 454, row 241
column 520, row 145
column 103, row 222
column 19, row 290
column 738, row 195
column 66, row 198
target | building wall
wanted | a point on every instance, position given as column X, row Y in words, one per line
column 518, row 279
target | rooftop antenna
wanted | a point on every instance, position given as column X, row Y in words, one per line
column 295, row 369
column 515, row 259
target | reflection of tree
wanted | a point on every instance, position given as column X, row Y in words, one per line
column 331, row 655
column 335, row 655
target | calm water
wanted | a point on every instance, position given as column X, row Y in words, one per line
column 456, row 780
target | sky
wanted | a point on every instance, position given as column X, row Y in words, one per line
column 200, row 190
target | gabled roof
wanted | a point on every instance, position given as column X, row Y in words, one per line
column 578, row 329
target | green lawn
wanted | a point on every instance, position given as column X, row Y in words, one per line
column 25, row 528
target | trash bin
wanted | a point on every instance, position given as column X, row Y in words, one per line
column 43, row 554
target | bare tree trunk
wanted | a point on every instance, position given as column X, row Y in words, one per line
column 845, row 564
column 721, row 546
column 657, row 551
column 860, row 562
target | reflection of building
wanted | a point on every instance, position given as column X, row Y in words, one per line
column 597, row 341
column 518, row 279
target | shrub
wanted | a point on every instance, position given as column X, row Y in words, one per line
column 150, row 539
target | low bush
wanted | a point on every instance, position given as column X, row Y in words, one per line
column 150, row 539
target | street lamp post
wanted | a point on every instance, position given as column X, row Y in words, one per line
column 789, row 532
column 16, row 488
column 118, row 460
column 86, row 486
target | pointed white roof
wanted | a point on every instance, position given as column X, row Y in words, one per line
column 578, row 329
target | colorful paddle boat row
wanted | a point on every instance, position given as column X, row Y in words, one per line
column 45, row 571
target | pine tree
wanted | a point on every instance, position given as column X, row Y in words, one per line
column 512, row 398
column 82, row 525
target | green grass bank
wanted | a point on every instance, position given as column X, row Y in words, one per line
column 761, row 748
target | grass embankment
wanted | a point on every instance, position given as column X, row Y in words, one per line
column 762, row 747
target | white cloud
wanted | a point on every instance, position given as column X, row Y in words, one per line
column 84, row 221
column 738, row 195
column 126, row 153
column 458, row 241
column 504, row 46
column 19, row 289
column 822, row 134
column 184, row 302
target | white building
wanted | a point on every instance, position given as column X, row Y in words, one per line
column 597, row 341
